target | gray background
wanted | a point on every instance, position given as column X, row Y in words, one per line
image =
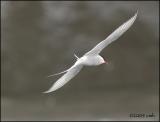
column 40, row 38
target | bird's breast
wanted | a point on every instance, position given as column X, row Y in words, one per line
column 88, row 60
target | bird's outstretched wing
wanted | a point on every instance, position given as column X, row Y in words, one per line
column 113, row 36
column 65, row 78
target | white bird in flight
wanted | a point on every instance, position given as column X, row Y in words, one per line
column 91, row 58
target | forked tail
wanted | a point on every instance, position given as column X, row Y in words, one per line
column 76, row 56
column 58, row 73
column 63, row 71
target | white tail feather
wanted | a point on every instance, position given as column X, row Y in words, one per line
column 76, row 56
column 58, row 73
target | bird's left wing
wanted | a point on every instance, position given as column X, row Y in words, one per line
column 113, row 36
column 65, row 78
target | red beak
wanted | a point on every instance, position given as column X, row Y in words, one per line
column 105, row 62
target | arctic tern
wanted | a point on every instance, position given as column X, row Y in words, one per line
column 91, row 58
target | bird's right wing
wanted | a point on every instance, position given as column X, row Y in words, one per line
column 112, row 37
column 65, row 78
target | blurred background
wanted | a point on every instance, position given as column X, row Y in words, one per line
column 40, row 38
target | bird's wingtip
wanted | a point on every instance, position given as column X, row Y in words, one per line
column 45, row 92
column 136, row 12
column 135, row 16
column 48, row 91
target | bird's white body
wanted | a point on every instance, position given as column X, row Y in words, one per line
column 91, row 58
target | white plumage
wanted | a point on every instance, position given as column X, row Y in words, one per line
column 91, row 58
